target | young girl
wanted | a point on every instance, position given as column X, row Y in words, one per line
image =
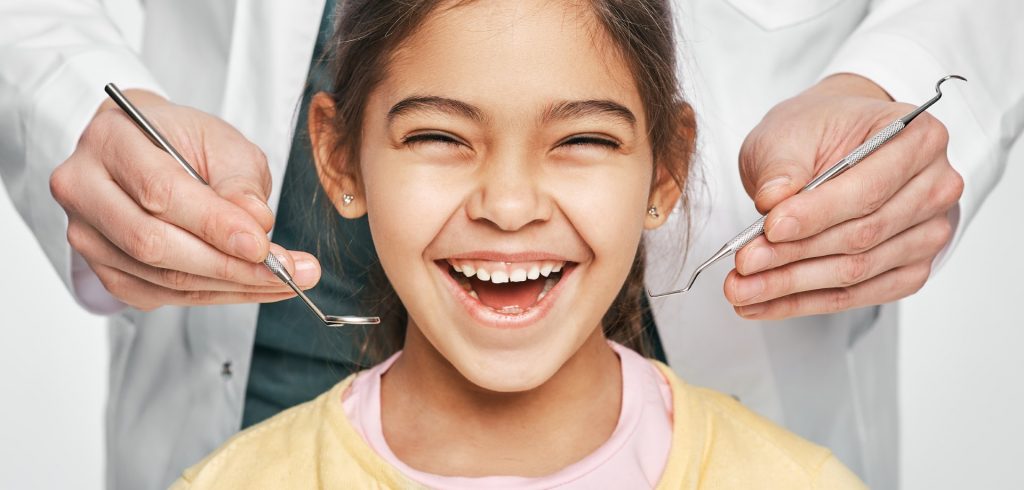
column 508, row 155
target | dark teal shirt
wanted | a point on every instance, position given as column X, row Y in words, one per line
column 294, row 356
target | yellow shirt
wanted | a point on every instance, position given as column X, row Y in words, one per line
column 716, row 444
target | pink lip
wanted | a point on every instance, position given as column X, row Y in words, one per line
column 490, row 318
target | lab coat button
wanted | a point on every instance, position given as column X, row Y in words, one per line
column 225, row 369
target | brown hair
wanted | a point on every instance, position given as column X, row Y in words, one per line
column 368, row 32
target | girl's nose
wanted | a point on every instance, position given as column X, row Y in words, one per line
column 509, row 195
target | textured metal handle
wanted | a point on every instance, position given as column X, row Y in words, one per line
column 858, row 154
column 753, row 231
column 277, row 268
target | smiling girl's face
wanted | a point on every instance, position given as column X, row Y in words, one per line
column 506, row 142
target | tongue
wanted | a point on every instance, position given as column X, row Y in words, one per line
column 498, row 296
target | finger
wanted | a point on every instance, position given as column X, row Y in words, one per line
column 929, row 193
column 887, row 287
column 159, row 244
column 144, row 295
column 238, row 171
column 96, row 249
column 158, row 184
column 921, row 242
column 861, row 190
column 773, row 169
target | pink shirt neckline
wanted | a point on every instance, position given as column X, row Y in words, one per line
column 634, row 456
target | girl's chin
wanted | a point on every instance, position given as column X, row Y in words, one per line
column 508, row 373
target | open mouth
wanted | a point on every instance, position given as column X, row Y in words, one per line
column 508, row 288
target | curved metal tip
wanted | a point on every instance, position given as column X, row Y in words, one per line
column 689, row 284
column 667, row 293
column 923, row 107
column 943, row 79
column 340, row 321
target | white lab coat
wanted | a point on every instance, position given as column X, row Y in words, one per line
column 832, row 379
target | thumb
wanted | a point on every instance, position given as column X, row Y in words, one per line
column 242, row 176
column 773, row 171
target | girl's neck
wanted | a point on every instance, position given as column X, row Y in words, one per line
column 437, row 421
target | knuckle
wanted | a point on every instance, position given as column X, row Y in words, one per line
column 60, row 184
column 867, row 233
column 264, row 168
column 936, row 135
column 146, row 244
column 155, row 193
column 209, row 225
column 941, row 234
column 781, row 282
column 839, row 299
column 951, row 190
column 199, row 297
column 914, row 278
column 225, row 270
column 178, row 280
column 854, row 269
column 77, row 237
column 873, row 194
column 114, row 282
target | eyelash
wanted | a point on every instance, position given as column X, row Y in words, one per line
column 591, row 140
column 431, row 138
column 572, row 141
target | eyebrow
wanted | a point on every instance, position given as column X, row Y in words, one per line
column 569, row 109
column 572, row 109
column 434, row 104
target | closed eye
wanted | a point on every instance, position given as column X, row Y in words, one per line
column 433, row 137
column 590, row 140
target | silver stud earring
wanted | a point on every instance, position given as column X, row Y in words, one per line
column 347, row 199
column 653, row 212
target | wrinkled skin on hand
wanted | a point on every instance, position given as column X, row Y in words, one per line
column 155, row 236
column 865, row 238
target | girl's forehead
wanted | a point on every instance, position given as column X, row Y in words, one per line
column 517, row 51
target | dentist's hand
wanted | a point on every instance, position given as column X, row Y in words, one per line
column 155, row 236
column 865, row 238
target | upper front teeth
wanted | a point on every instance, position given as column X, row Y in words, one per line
column 499, row 277
column 504, row 272
column 534, row 273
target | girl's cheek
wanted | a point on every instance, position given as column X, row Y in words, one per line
column 604, row 205
column 410, row 202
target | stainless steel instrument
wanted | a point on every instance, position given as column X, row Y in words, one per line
column 271, row 261
column 757, row 229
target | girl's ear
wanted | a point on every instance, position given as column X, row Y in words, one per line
column 671, row 173
column 337, row 178
column 664, row 195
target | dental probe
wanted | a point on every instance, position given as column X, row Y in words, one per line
column 868, row 147
column 271, row 261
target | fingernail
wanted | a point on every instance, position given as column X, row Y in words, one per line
column 245, row 245
column 305, row 271
column 748, row 289
column 751, row 310
column 774, row 184
column 783, row 229
column 758, row 260
column 263, row 204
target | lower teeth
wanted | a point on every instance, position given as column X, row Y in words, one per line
column 511, row 309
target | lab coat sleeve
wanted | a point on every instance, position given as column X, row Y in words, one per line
column 905, row 46
column 55, row 58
